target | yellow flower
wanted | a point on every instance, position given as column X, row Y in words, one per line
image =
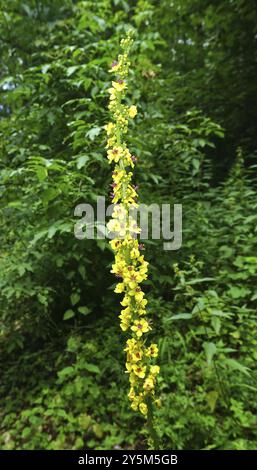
column 118, row 175
column 140, row 327
column 114, row 154
column 114, row 67
column 133, row 379
column 109, row 128
column 141, row 311
column 129, row 366
column 152, row 351
column 119, row 266
column 136, row 356
column 113, row 225
column 115, row 244
column 131, row 393
column 148, row 384
column 132, row 111
column 139, row 296
column 139, row 371
column 143, row 303
column 124, row 326
column 112, row 92
column 125, row 301
column 135, row 253
column 158, row 402
column 119, row 86
column 154, row 370
column 135, row 403
column 131, row 344
column 143, row 408
column 125, row 317
column 110, row 142
column 119, row 288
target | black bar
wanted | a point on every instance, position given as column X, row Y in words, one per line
column 110, row 459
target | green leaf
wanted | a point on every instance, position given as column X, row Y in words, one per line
column 238, row 292
column 82, row 271
column 91, row 368
column 71, row 70
column 81, row 161
column 52, row 231
column 45, row 68
column 181, row 316
column 68, row 314
column 97, row 430
column 235, row 365
column 219, row 313
column 49, row 194
column 65, row 372
column 210, row 350
column 85, row 421
column 212, row 399
column 41, row 172
column 94, row 132
column 200, row 280
column 75, row 297
column 216, row 324
column 84, row 310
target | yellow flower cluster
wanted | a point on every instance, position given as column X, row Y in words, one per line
column 129, row 266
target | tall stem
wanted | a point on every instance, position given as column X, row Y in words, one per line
column 154, row 439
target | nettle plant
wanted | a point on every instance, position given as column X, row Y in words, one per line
column 129, row 266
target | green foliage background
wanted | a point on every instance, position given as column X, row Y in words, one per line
column 61, row 351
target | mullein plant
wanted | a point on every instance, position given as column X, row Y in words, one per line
column 130, row 266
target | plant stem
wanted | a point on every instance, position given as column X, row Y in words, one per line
column 154, row 439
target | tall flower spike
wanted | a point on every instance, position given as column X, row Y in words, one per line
column 129, row 266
